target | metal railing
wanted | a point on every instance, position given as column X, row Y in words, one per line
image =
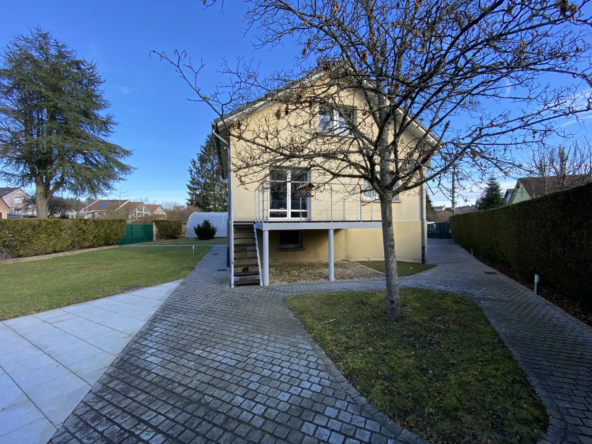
column 314, row 201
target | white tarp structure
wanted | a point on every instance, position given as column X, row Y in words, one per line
column 219, row 220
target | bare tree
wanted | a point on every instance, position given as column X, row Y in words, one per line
column 442, row 83
column 569, row 165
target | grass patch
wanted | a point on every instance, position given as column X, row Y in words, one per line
column 31, row 287
column 442, row 372
column 185, row 241
column 403, row 268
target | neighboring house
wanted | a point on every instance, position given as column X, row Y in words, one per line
column 131, row 211
column 508, row 195
column 3, row 209
column 464, row 209
column 293, row 214
column 101, row 208
column 532, row 187
column 15, row 199
column 156, row 211
column 134, row 211
column 439, row 207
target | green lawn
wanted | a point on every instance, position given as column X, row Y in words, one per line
column 442, row 372
column 36, row 286
column 185, row 241
column 403, row 268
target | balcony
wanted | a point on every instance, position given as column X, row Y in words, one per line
column 296, row 205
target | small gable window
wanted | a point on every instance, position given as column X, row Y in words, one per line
column 337, row 122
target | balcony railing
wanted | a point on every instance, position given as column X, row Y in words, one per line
column 292, row 201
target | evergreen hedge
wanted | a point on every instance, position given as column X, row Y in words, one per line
column 168, row 229
column 550, row 236
column 33, row 237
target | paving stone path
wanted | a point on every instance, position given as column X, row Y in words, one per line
column 224, row 365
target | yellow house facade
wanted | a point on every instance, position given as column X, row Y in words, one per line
column 4, row 209
column 291, row 213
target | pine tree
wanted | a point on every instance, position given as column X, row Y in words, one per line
column 492, row 196
column 54, row 127
column 429, row 205
column 207, row 191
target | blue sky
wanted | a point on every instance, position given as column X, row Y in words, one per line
column 149, row 100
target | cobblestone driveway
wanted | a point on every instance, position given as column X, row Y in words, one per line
column 216, row 364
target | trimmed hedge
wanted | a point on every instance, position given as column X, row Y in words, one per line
column 550, row 236
column 168, row 229
column 33, row 237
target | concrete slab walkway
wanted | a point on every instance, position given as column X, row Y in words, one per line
column 216, row 364
column 50, row 360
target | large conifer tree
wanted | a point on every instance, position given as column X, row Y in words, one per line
column 53, row 122
column 207, row 191
column 492, row 196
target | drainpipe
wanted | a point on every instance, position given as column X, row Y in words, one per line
column 422, row 219
column 230, row 241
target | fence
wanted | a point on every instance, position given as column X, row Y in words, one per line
column 439, row 230
column 135, row 234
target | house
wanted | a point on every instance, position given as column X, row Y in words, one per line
column 156, row 211
column 16, row 201
column 508, row 195
column 4, row 209
column 532, row 187
column 102, row 208
column 132, row 211
column 294, row 214
column 439, row 207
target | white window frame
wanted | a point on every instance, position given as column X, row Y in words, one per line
column 336, row 125
column 288, row 209
column 371, row 195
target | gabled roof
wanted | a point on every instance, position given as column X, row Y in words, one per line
column 152, row 208
column 541, row 186
column 131, row 206
column 7, row 190
column 105, row 205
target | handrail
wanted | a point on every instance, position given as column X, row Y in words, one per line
column 331, row 208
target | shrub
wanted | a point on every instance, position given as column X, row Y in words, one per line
column 550, row 236
column 91, row 233
column 168, row 229
column 33, row 237
column 205, row 230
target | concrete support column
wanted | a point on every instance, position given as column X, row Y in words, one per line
column 265, row 257
column 331, row 257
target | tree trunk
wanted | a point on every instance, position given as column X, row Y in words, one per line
column 390, row 260
column 41, row 200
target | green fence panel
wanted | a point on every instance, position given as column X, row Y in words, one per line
column 134, row 234
column 439, row 230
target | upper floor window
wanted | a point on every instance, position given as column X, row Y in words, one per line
column 370, row 193
column 338, row 122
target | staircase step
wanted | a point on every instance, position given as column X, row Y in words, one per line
column 244, row 238
column 243, row 245
column 246, row 273
column 247, row 282
column 246, row 265
column 246, row 250
column 238, row 258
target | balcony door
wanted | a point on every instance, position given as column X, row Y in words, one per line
column 286, row 200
